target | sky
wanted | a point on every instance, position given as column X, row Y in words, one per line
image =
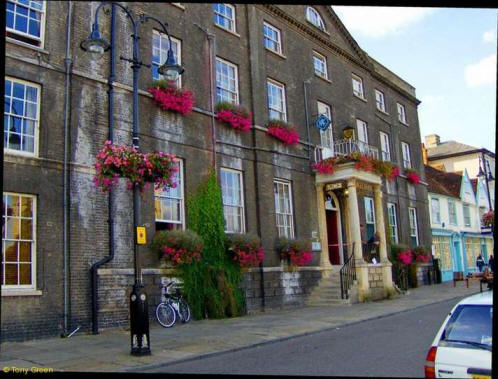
column 447, row 54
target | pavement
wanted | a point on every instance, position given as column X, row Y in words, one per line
column 109, row 351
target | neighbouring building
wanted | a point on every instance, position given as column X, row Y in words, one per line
column 286, row 62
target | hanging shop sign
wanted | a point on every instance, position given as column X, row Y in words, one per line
column 322, row 122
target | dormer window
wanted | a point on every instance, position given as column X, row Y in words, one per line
column 314, row 17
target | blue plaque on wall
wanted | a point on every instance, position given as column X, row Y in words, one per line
column 322, row 122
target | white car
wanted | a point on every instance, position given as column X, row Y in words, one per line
column 462, row 347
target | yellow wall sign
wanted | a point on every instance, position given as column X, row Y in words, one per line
column 140, row 235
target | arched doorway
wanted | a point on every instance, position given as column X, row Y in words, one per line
column 334, row 232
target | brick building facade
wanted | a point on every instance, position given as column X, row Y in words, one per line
column 292, row 62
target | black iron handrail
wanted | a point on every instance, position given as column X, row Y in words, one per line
column 400, row 277
column 348, row 275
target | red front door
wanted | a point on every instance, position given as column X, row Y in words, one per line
column 333, row 237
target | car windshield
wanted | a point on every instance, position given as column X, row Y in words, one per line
column 471, row 325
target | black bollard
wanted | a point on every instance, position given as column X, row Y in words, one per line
column 139, row 321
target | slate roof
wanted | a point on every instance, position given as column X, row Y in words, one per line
column 453, row 147
column 441, row 182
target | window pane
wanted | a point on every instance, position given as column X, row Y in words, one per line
column 24, row 274
column 10, row 274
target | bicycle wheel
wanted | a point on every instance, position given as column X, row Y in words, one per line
column 183, row 311
column 165, row 315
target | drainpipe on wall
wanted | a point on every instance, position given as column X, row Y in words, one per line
column 256, row 180
column 96, row 265
column 307, row 81
column 211, row 39
column 65, row 218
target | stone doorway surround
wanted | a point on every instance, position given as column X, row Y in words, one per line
column 351, row 176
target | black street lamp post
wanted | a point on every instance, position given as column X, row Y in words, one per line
column 487, row 175
column 139, row 318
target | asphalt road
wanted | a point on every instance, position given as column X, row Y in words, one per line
column 390, row 346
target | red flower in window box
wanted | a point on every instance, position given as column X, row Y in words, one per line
column 412, row 176
column 234, row 116
column 283, row 131
column 295, row 252
column 245, row 249
column 169, row 97
column 178, row 247
column 325, row 166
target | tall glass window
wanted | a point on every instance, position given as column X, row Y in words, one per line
column 435, row 211
column 393, row 225
column 272, row 38
column 21, row 116
column 276, row 101
column 452, row 212
column 326, row 136
column 407, row 162
column 412, row 215
column 160, row 47
column 320, row 65
column 369, row 216
column 384, row 146
column 401, row 113
column 358, row 86
column 18, row 241
column 224, row 16
column 227, row 84
column 314, row 17
column 380, row 101
column 283, row 209
column 233, row 200
column 25, row 21
column 467, row 219
column 169, row 204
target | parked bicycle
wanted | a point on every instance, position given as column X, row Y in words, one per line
column 171, row 307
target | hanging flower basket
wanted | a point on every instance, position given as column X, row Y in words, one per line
column 245, row 249
column 114, row 162
column 294, row 251
column 283, row 131
column 412, row 176
column 325, row 166
column 171, row 98
column 178, row 247
column 488, row 218
column 405, row 257
column 234, row 116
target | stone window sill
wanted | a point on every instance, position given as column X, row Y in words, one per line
column 21, row 292
column 323, row 78
column 359, row 97
column 26, row 45
column 276, row 53
column 227, row 30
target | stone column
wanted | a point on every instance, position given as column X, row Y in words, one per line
column 386, row 265
column 354, row 221
column 322, row 227
column 355, row 233
column 379, row 213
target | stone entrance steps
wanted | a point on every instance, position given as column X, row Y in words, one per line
column 328, row 291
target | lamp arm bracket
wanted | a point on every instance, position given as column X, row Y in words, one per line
column 145, row 17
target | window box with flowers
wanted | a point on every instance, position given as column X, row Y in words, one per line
column 283, row 131
column 362, row 162
column 294, row 252
column 234, row 116
column 245, row 249
column 412, row 176
column 169, row 97
column 178, row 247
column 114, row 162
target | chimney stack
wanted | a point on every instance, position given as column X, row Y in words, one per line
column 432, row 140
column 424, row 155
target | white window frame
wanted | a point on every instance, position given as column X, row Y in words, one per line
column 380, row 100
column 467, row 215
column 231, row 21
column 288, row 213
column 407, row 161
column 279, row 88
column 435, row 211
column 401, row 113
column 233, row 93
column 363, row 127
column 452, row 206
column 160, row 195
column 162, row 49
column 322, row 62
column 277, row 41
column 393, row 222
column 385, row 147
column 313, row 16
column 228, row 206
column 32, row 241
column 24, row 118
column 412, row 215
column 26, row 36
column 358, row 89
column 369, row 211
column 326, row 136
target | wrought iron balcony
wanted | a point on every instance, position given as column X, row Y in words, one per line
column 345, row 147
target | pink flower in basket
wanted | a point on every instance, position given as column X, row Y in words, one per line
column 284, row 132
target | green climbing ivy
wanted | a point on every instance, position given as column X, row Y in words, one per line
column 211, row 286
